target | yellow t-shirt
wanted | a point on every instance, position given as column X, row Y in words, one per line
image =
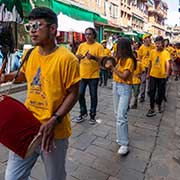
column 144, row 53
column 159, row 61
column 48, row 78
column 137, row 73
column 171, row 50
column 89, row 68
column 127, row 64
column 178, row 53
column 107, row 52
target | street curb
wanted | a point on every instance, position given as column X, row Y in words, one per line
column 14, row 88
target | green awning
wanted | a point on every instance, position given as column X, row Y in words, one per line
column 68, row 9
column 76, row 12
column 26, row 7
column 139, row 35
column 108, row 29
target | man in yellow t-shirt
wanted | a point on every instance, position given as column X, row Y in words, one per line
column 52, row 75
column 143, row 56
column 158, row 72
column 89, row 54
column 103, row 72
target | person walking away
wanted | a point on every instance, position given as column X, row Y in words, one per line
column 122, row 88
column 89, row 54
column 157, row 74
column 143, row 55
column 52, row 75
column 103, row 72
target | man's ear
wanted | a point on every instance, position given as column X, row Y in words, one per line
column 53, row 29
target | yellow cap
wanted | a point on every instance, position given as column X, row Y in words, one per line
column 103, row 41
column 146, row 35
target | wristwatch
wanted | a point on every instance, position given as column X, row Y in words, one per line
column 58, row 118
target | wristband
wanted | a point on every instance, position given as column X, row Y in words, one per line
column 58, row 118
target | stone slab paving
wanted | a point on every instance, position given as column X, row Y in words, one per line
column 92, row 154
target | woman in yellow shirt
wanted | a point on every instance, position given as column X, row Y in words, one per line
column 122, row 87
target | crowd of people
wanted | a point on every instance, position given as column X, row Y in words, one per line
column 57, row 79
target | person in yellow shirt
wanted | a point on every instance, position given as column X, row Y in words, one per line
column 103, row 72
column 52, row 75
column 176, row 62
column 170, row 49
column 114, row 49
column 136, row 81
column 143, row 55
column 157, row 74
column 122, row 88
column 89, row 54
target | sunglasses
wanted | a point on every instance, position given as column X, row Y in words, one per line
column 35, row 26
column 88, row 34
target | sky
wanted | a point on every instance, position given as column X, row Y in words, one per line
column 173, row 14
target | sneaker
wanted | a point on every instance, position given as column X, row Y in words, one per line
column 123, row 150
column 92, row 121
column 151, row 113
column 80, row 119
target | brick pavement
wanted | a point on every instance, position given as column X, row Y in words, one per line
column 92, row 155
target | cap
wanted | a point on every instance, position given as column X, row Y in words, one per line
column 103, row 41
column 146, row 35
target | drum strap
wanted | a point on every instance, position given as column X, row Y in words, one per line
column 23, row 61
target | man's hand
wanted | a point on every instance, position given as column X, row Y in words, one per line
column 2, row 78
column 147, row 76
column 79, row 56
column 47, row 133
column 90, row 56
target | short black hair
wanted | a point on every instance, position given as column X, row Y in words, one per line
column 159, row 38
column 43, row 13
column 93, row 31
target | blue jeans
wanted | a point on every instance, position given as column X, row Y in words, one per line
column 93, row 87
column 121, row 96
column 54, row 162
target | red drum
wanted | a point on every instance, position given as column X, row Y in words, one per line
column 18, row 127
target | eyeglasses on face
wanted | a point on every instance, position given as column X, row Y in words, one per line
column 88, row 34
column 35, row 26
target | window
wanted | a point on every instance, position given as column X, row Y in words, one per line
column 113, row 10
column 98, row 2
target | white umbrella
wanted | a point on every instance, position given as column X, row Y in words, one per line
column 68, row 24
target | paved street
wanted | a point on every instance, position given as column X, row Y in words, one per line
column 92, row 155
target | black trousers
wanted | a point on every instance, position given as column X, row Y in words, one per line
column 157, row 88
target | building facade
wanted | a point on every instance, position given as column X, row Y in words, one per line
column 139, row 15
column 157, row 14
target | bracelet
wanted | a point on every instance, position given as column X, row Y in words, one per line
column 58, row 118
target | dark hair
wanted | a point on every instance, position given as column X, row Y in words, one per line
column 43, row 13
column 159, row 38
column 93, row 31
column 124, row 50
